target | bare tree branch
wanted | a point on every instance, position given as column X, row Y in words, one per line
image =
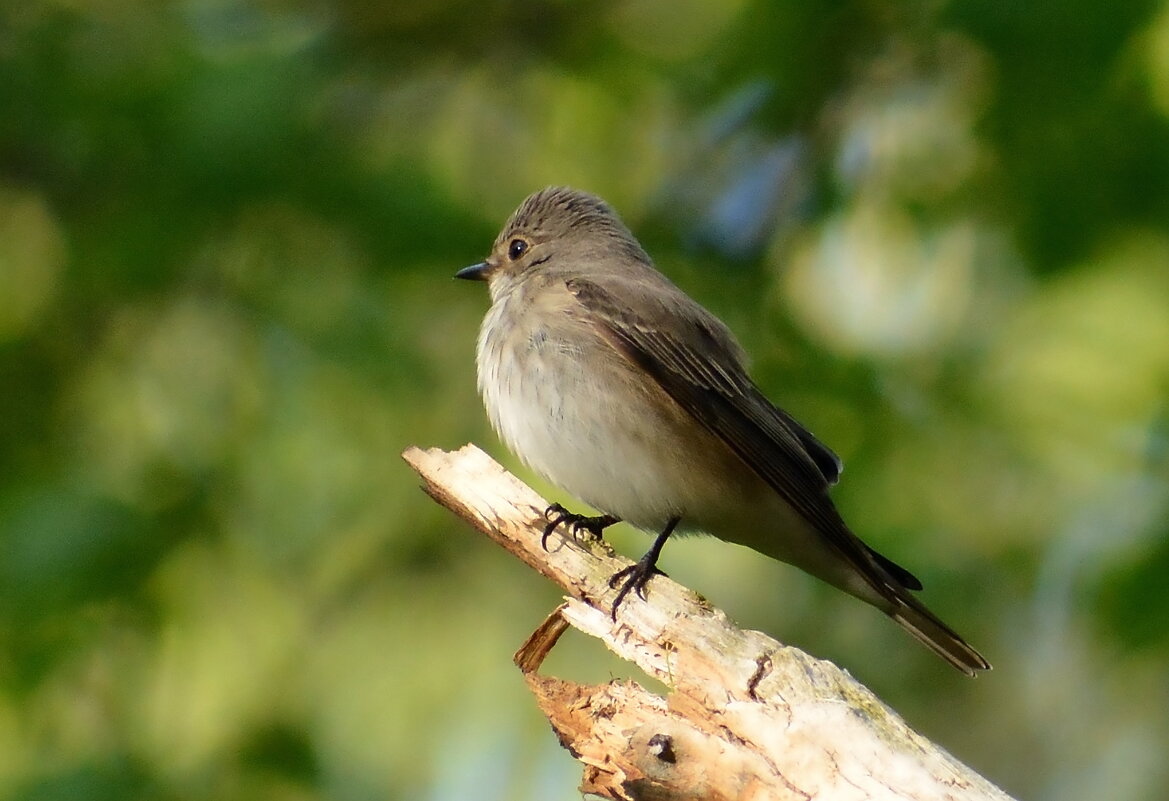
column 746, row 718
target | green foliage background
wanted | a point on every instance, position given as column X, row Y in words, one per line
column 227, row 232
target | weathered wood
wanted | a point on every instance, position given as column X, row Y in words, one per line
column 746, row 718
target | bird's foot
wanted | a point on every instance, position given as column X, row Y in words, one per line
column 633, row 578
column 638, row 574
column 581, row 526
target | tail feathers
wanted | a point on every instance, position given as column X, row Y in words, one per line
column 903, row 576
column 936, row 635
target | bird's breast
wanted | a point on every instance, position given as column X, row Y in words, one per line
column 576, row 411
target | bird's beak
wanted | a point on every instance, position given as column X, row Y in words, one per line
column 476, row 272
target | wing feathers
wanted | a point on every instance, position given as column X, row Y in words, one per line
column 694, row 358
column 698, row 364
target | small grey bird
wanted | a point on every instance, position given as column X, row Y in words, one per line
column 610, row 382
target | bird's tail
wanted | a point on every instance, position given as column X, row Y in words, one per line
column 935, row 635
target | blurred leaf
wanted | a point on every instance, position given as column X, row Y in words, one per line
column 1133, row 603
column 112, row 781
column 64, row 547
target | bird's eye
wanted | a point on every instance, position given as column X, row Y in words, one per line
column 516, row 248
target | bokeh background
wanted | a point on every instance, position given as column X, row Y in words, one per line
column 227, row 236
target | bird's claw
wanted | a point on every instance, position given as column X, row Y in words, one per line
column 581, row 526
column 634, row 577
column 638, row 574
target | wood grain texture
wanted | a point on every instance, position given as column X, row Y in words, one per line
column 746, row 718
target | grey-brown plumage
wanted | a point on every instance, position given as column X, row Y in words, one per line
column 613, row 384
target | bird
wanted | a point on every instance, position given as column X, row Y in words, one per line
column 606, row 379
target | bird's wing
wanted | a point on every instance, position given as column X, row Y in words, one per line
column 694, row 358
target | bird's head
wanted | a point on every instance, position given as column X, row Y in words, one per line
column 557, row 228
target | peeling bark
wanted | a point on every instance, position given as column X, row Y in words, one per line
column 746, row 718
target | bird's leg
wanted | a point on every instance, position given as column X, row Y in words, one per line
column 581, row 525
column 638, row 574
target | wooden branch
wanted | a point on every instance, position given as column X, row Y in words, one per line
column 746, row 718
